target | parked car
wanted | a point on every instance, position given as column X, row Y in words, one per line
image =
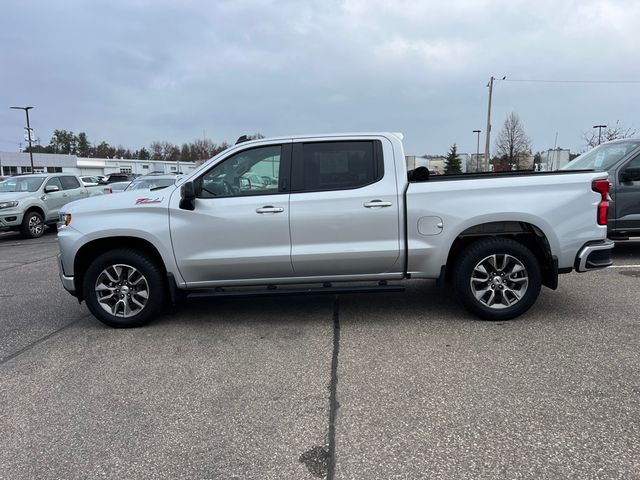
column 345, row 210
column 151, row 182
column 621, row 159
column 92, row 181
column 29, row 202
column 269, row 181
column 117, row 187
column 254, row 181
column 120, row 177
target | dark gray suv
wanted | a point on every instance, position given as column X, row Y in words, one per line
column 621, row 158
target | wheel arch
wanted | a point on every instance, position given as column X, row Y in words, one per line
column 89, row 251
column 37, row 209
column 528, row 234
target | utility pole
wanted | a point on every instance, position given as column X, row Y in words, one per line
column 487, row 145
column 478, row 150
column 599, row 127
column 26, row 110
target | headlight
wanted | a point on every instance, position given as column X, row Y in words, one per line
column 65, row 219
column 8, row 205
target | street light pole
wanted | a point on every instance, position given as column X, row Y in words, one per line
column 477, row 150
column 26, row 111
column 599, row 127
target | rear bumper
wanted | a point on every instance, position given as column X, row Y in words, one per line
column 67, row 282
column 594, row 255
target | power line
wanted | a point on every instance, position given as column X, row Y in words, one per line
column 570, row 81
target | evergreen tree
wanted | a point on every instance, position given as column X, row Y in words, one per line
column 83, row 145
column 63, row 141
column 143, row 154
column 452, row 164
column 103, row 150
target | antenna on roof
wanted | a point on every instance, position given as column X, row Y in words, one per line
column 243, row 138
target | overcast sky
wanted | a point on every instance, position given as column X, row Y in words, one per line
column 134, row 71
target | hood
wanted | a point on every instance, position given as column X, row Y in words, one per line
column 113, row 202
column 17, row 196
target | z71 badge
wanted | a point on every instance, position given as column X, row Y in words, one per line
column 145, row 201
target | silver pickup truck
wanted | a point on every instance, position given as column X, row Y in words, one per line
column 29, row 202
column 337, row 211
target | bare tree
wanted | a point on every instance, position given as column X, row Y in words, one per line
column 609, row 133
column 170, row 151
column 512, row 142
column 156, row 150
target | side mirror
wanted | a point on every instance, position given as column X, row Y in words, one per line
column 188, row 196
column 631, row 174
column 51, row 188
column 419, row 174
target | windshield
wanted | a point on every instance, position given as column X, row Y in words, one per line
column 150, row 183
column 21, row 184
column 119, row 186
column 602, row 157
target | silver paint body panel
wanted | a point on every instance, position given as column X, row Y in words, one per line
column 333, row 236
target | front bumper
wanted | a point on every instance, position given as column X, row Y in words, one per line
column 10, row 219
column 594, row 255
column 67, row 282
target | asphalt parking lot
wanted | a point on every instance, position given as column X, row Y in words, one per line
column 396, row 385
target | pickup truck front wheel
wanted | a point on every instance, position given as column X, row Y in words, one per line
column 497, row 278
column 124, row 288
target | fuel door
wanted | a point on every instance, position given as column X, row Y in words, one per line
column 430, row 226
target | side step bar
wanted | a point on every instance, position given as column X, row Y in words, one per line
column 272, row 290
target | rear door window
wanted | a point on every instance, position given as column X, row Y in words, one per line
column 69, row 183
column 321, row 166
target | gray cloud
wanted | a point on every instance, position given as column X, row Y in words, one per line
column 133, row 72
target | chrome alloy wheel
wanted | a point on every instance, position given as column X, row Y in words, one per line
column 36, row 226
column 122, row 290
column 499, row 281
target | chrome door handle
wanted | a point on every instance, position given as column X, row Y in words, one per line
column 377, row 204
column 269, row 209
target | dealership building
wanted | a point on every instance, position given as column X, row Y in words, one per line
column 13, row 163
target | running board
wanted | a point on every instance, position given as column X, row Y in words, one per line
column 278, row 291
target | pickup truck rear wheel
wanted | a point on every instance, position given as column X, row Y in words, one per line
column 124, row 288
column 497, row 278
column 32, row 225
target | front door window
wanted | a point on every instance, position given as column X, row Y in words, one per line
column 250, row 172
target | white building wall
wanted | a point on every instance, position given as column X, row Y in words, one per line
column 554, row 159
column 12, row 163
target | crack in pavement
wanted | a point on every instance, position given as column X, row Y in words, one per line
column 40, row 340
column 333, row 402
column 19, row 244
column 20, row 264
column 321, row 460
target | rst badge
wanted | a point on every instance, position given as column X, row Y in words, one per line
column 145, row 201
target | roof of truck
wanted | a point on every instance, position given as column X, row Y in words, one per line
column 398, row 135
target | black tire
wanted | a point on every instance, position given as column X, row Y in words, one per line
column 510, row 290
column 32, row 225
column 129, row 262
